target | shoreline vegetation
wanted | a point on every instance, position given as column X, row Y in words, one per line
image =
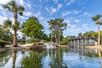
column 40, row 47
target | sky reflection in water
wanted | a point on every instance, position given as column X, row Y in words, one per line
column 53, row 58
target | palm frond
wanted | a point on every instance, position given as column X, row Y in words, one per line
column 95, row 18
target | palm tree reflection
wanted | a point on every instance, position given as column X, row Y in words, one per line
column 57, row 59
column 14, row 57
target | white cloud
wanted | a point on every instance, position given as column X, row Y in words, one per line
column 65, row 13
column 76, row 11
column 41, row 18
column 25, row 3
column 4, row 1
column 28, row 13
column 21, row 2
column 3, row 18
column 75, row 26
column 87, row 14
column 59, row 6
column 28, row 4
column 68, row 20
column 1, row 8
column 37, row 14
column 51, row 10
column 70, row 1
column 85, row 25
column 76, row 20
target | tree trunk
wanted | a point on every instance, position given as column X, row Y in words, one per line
column 15, row 39
column 98, row 34
column 15, row 30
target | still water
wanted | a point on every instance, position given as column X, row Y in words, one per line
column 52, row 58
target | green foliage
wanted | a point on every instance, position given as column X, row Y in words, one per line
column 5, row 34
column 7, row 24
column 97, row 19
column 32, row 28
column 33, row 60
column 13, row 7
column 57, row 26
column 1, row 32
column 91, row 34
column 65, row 41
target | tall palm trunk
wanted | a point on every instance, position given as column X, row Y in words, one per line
column 98, row 34
column 15, row 34
column 51, row 39
column 58, row 38
column 15, row 39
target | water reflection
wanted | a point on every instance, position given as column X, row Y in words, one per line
column 4, row 57
column 33, row 60
column 14, row 57
column 52, row 58
column 57, row 58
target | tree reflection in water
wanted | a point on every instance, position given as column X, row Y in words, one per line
column 52, row 58
column 14, row 52
column 33, row 60
column 4, row 57
column 100, row 56
column 57, row 58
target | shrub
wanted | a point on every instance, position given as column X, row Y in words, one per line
column 65, row 41
column 37, row 48
column 37, row 43
column 2, row 43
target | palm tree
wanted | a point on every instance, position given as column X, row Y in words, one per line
column 57, row 26
column 98, row 22
column 16, row 10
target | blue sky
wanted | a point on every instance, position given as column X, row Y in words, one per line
column 76, row 13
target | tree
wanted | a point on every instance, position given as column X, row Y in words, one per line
column 65, row 41
column 5, row 34
column 16, row 10
column 91, row 34
column 1, row 32
column 98, row 22
column 32, row 28
column 7, row 25
column 57, row 26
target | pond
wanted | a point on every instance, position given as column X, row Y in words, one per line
column 52, row 58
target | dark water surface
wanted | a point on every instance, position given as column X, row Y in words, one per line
column 52, row 58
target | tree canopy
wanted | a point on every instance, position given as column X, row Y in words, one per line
column 33, row 28
column 57, row 26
